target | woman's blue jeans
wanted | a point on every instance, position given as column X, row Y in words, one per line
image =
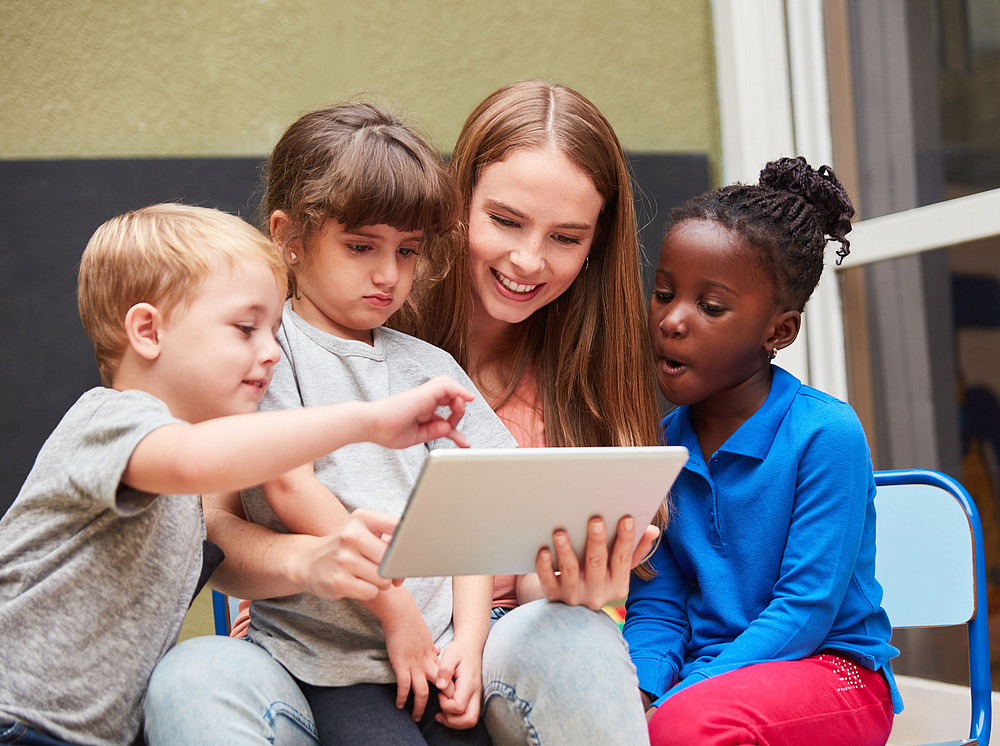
column 552, row 674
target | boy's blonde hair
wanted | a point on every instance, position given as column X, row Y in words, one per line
column 161, row 255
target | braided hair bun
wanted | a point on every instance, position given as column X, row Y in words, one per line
column 821, row 189
column 787, row 219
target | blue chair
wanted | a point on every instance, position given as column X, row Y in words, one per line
column 224, row 610
column 931, row 565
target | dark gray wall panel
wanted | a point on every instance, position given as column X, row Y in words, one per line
column 48, row 210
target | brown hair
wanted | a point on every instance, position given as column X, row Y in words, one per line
column 161, row 254
column 360, row 165
column 589, row 346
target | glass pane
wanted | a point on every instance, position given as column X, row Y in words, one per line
column 967, row 36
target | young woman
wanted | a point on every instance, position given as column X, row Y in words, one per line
column 537, row 295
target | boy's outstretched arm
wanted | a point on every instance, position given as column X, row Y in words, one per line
column 460, row 675
column 410, row 417
column 230, row 453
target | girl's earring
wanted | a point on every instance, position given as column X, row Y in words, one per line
column 774, row 352
column 586, row 263
column 291, row 256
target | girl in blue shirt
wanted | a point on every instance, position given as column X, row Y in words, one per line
column 760, row 621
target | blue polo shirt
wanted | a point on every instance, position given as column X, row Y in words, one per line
column 770, row 550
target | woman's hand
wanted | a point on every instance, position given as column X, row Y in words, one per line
column 602, row 578
column 344, row 564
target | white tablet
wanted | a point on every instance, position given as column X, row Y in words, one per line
column 489, row 511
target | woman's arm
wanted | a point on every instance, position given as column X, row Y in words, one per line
column 262, row 563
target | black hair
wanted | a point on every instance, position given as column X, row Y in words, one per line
column 788, row 216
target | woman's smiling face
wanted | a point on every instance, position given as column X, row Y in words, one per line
column 532, row 221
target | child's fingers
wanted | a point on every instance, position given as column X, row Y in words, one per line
column 458, row 719
column 463, row 709
column 464, row 690
column 402, row 688
column 458, row 439
column 445, row 388
column 446, row 673
column 620, row 565
column 457, row 408
column 420, row 693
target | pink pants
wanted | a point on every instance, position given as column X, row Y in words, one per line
column 825, row 700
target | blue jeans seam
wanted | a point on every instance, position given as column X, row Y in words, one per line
column 522, row 706
column 283, row 709
column 13, row 731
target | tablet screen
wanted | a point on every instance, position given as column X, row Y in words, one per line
column 489, row 511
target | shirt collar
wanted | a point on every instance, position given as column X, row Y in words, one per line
column 755, row 436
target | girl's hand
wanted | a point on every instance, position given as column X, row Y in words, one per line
column 460, row 682
column 409, row 418
column 602, row 578
column 647, row 701
column 412, row 654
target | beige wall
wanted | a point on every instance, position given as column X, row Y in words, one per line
column 133, row 78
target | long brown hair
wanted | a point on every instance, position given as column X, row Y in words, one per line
column 589, row 346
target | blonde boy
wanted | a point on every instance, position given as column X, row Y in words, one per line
column 102, row 551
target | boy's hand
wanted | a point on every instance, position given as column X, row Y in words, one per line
column 412, row 654
column 409, row 418
column 460, row 682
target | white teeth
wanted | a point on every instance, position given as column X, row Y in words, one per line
column 513, row 285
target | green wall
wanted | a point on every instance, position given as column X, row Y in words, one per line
column 135, row 78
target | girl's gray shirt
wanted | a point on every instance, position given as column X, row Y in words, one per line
column 339, row 642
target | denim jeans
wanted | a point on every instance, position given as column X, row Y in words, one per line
column 552, row 674
column 221, row 691
column 557, row 674
column 11, row 732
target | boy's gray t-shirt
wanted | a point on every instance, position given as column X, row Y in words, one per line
column 95, row 577
column 339, row 642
